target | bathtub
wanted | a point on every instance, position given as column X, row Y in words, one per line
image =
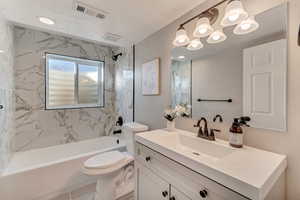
column 47, row 172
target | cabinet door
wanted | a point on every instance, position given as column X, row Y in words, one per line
column 177, row 195
column 150, row 186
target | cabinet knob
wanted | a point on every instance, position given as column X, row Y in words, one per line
column 203, row 193
column 165, row 193
column 172, row 198
column 148, row 158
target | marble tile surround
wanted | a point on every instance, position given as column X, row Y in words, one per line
column 124, row 84
column 6, row 91
column 37, row 128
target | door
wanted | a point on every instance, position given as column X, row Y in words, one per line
column 177, row 195
column 264, row 87
column 150, row 186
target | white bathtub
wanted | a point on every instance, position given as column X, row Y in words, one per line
column 43, row 173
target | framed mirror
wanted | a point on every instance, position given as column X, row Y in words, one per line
column 245, row 75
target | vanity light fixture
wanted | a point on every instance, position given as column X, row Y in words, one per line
column 203, row 28
column 46, row 20
column 181, row 38
column 195, row 44
column 217, row 37
column 181, row 57
column 246, row 26
column 234, row 13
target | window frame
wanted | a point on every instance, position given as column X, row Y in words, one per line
column 77, row 60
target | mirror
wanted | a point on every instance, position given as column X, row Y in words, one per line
column 245, row 75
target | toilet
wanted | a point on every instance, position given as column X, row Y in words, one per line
column 129, row 130
column 107, row 166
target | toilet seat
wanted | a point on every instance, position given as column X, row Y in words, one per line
column 112, row 162
column 104, row 160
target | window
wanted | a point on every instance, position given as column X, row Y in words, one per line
column 73, row 82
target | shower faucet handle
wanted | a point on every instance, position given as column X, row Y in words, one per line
column 1, row 107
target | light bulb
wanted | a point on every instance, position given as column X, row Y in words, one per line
column 247, row 26
column 233, row 17
column 181, row 38
column 46, row 20
column 181, row 57
column 234, row 13
column 216, row 37
column 203, row 28
column 195, row 44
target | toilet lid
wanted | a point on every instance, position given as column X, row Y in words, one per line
column 105, row 160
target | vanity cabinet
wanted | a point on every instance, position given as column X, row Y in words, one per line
column 151, row 186
column 160, row 178
column 177, row 195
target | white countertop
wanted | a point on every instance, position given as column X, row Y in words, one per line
column 248, row 171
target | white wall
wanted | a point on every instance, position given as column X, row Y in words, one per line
column 6, row 91
column 149, row 109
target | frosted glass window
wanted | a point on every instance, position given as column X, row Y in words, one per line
column 73, row 82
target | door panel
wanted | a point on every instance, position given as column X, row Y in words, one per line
column 264, row 76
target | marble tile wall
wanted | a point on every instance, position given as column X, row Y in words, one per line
column 124, row 84
column 6, row 91
column 35, row 127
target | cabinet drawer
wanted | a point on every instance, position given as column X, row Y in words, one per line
column 184, row 179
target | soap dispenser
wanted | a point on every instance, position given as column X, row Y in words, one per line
column 236, row 132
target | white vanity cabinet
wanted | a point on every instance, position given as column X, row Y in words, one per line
column 151, row 186
column 177, row 195
column 160, row 178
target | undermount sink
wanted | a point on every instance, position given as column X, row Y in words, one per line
column 201, row 147
column 190, row 145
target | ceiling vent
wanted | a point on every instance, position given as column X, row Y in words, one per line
column 89, row 10
column 112, row 37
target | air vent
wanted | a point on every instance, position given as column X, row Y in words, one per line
column 112, row 37
column 89, row 10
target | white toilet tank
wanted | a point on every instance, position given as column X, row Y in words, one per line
column 129, row 130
